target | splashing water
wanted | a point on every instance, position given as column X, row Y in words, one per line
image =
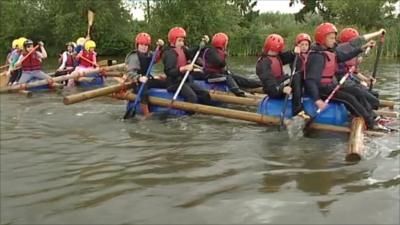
column 295, row 127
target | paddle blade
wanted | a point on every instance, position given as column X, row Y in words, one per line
column 90, row 17
column 129, row 114
column 295, row 127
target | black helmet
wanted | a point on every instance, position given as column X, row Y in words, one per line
column 27, row 43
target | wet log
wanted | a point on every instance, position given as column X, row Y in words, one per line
column 356, row 138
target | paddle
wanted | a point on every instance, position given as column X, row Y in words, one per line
column 90, row 22
column 131, row 107
column 378, row 56
column 88, row 60
column 344, row 78
column 201, row 46
column 281, row 120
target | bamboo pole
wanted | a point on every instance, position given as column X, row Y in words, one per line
column 71, row 99
column 73, row 75
column 356, row 137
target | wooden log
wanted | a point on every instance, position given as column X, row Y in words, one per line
column 356, row 138
column 28, row 94
column 71, row 99
column 248, row 95
column 210, row 110
column 234, row 99
column 4, row 78
column 73, row 75
column 255, row 90
column 390, row 114
column 386, row 103
column 114, row 74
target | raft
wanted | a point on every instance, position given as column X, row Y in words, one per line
column 334, row 114
column 98, row 81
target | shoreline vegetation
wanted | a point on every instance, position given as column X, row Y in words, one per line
column 56, row 22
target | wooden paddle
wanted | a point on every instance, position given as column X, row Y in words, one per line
column 282, row 117
column 90, row 22
column 327, row 100
column 378, row 56
column 201, row 46
column 89, row 61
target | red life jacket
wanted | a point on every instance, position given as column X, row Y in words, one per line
column 303, row 61
column 70, row 61
column 330, row 68
column 209, row 68
column 33, row 62
column 180, row 57
column 276, row 66
column 87, row 55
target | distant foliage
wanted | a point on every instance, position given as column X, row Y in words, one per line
column 59, row 21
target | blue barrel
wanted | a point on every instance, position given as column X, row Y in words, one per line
column 98, row 81
column 219, row 86
column 163, row 93
column 334, row 114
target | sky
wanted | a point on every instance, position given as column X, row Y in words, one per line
column 262, row 5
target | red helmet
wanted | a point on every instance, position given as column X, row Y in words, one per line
column 303, row 37
column 219, row 40
column 347, row 34
column 322, row 30
column 274, row 42
column 174, row 33
column 143, row 39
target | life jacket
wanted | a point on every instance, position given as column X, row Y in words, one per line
column 330, row 68
column 180, row 57
column 210, row 68
column 88, row 55
column 33, row 62
column 70, row 61
column 303, row 59
column 144, row 59
column 276, row 66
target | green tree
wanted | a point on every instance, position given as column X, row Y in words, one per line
column 197, row 17
column 366, row 13
column 58, row 21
